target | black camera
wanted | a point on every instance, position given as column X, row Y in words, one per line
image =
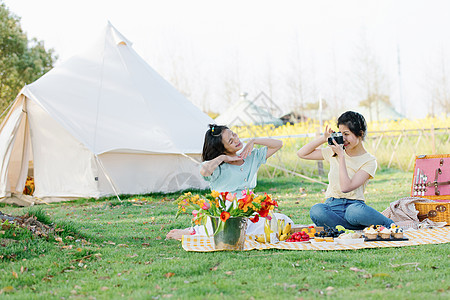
column 337, row 136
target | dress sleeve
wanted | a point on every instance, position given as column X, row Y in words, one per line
column 260, row 155
column 213, row 176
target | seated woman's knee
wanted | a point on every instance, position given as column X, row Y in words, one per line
column 356, row 209
column 318, row 210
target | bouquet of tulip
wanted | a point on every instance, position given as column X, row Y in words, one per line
column 225, row 205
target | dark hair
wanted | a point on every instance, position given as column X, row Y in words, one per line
column 355, row 122
column 213, row 145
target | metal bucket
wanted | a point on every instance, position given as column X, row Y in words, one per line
column 232, row 237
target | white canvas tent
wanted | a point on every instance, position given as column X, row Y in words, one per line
column 101, row 123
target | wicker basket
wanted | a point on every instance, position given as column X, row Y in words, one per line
column 435, row 211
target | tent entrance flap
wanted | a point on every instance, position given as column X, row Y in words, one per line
column 17, row 151
column 63, row 167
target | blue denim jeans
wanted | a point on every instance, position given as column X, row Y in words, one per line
column 352, row 214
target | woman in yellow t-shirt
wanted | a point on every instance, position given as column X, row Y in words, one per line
column 351, row 167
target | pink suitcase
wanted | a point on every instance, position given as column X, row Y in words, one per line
column 431, row 180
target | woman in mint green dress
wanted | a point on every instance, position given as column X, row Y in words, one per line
column 228, row 171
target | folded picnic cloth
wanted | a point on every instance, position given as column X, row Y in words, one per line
column 403, row 212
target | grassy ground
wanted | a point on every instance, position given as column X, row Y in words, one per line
column 106, row 249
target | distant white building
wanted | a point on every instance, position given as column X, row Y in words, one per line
column 384, row 111
column 245, row 112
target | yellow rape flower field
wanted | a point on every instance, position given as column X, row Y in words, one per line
column 394, row 143
column 314, row 126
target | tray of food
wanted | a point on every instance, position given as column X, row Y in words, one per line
column 377, row 233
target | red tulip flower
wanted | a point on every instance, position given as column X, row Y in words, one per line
column 224, row 216
column 255, row 219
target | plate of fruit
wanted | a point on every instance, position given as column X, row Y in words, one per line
column 330, row 232
column 299, row 237
column 327, row 236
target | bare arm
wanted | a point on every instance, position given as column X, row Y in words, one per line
column 209, row 166
column 347, row 184
column 272, row 145
column 310, row 150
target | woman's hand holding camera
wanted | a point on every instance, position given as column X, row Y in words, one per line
column 338, row 148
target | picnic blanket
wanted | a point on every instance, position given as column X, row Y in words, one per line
column 416, row 237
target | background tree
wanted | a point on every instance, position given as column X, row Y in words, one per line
column 316, row 105
column 438, row 85
column 296, row 80
column 337, row 98
column 231, row 79
column 370, row 80
column 21, row 61
column 266, row 90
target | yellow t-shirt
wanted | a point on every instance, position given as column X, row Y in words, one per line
column 366, row 162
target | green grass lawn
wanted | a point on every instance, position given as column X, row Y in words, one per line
column 105, row 249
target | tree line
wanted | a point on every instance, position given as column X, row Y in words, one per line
column 22, row 60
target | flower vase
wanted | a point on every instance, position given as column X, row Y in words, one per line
column 232, row 236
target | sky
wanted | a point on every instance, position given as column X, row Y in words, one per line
column 214, row 50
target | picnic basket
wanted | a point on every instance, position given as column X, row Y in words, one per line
column 435, row 211
column 431, row 180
